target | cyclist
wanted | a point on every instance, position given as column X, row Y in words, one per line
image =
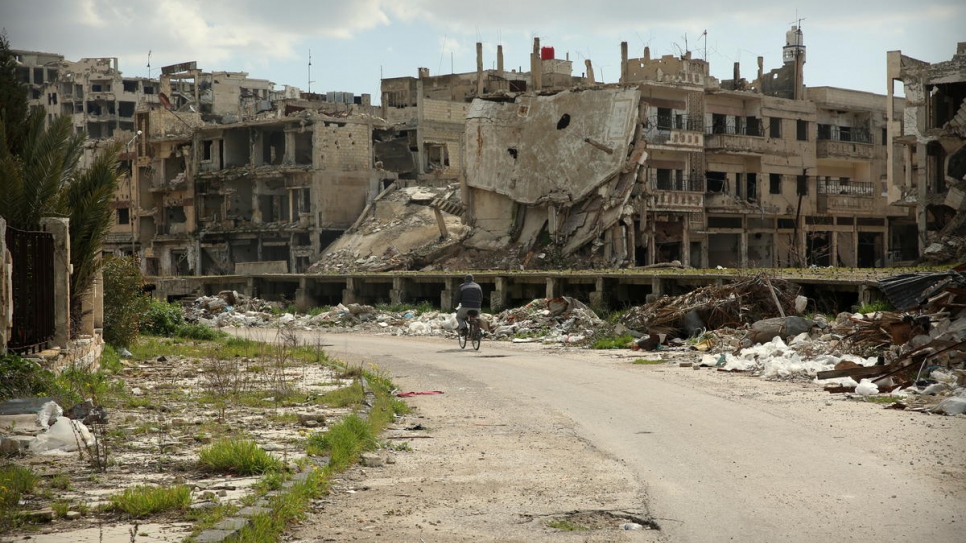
column 469, row 296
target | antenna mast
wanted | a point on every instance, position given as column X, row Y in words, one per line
column 149, row 64
column 310, row 71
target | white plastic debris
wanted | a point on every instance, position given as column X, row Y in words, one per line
column 866, row 388
column 64, row 436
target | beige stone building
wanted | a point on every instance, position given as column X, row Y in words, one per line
column 428, row 113
column 101, row 103
column 237, row 177
column 928, row 161
column 671, row 164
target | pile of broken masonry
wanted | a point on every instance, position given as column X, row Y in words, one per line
column 754, row 325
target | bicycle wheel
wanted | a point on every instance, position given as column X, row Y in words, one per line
column 462, row 338
column 475, row 335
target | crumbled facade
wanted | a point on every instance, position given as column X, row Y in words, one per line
column 101, row 104
column 427, row 114
column 236, row 177
column 684, row 168
column 928, row 159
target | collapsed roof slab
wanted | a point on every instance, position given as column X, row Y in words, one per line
column 552, row 150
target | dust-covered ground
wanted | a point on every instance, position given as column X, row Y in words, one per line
column 477, row 466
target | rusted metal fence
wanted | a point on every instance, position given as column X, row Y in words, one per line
column 33, row 289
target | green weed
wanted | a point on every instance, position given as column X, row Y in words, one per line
column 15, row 481
column 566, row 526
column 619, row 342
column 237, row 456
column 60, row 481
column 878, row 305
column 644, row 361
column 343, row 443
column 142, row 501
column 344, row 397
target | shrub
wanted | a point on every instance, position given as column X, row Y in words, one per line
column 15, row 481
column 141, row 501
column 22, row 377
column 163, row 318
column 110, row 360
column 238, row 456
column 124, row 301
column 198, row 332
column 74, row 384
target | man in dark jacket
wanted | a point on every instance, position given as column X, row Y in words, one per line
column 469, row 296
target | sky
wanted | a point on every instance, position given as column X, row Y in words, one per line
column 355, row 43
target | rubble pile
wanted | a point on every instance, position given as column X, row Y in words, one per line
column 917, row 354
column 921, row 347
column 228, row 302
column 555, row 320
column 712, row 307
column 398, row 230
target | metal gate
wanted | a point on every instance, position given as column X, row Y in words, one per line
column 33, row 289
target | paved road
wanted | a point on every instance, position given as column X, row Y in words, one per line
column 713, row 468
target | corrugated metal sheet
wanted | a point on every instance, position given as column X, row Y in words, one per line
column 909, row 290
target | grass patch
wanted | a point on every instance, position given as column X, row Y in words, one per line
column 619, row 342
column 61, row 481
column 566, row 526
column 111, row 361
column 343, row 443
column 142, row 501
column 878, row 305
column 344, row 397
column 198, row 332
column 15, row 481
column 285, row 509
column 237, row 456
column 646, row 362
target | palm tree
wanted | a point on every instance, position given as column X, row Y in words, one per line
column 87, row 201
column 40, row 177
column 32, row 180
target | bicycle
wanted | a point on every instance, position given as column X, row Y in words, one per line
column 473, row 332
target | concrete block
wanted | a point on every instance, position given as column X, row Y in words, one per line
column 233, row 524
column 213, row 536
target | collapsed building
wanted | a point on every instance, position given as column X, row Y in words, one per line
column 930, row 140
column 540, row 168
column 237, row 177
column 672, row 165
column 762, row 173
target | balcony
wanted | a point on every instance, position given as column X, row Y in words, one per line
column 744, row 138
column 676, row 193
column 838, row 195
column 678, row 201
column 843, row 150
column 843, row 143
column 675, row 131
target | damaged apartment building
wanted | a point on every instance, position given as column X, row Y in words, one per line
column 101, row 104
column 672, row 165
column 234, row 176
column 930, row 136
column 427, row 114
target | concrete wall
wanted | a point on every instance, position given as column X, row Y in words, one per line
column 342, row 146
column 259, row 268
column 554, row 149
column 6, row 288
